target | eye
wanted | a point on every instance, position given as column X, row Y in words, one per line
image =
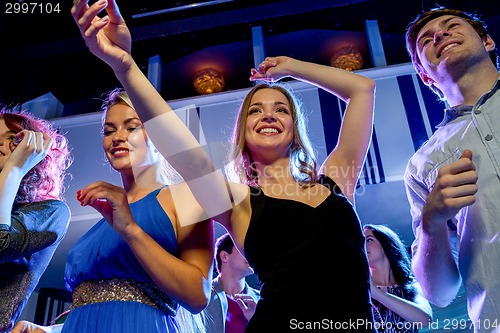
column 426, row 41
column 253, row 110
column 134, row 129
column 282, row 110
column 108, row 132
column 11, row 137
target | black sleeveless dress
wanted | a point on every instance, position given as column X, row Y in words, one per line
column 305, row 258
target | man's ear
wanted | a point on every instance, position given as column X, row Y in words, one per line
column 425, row 78
column 223, row 255
column 489, row 43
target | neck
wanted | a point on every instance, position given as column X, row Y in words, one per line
column 140, row 182
column 467, row 88
column 277, row 172
column 231, row 284
column 381, row 274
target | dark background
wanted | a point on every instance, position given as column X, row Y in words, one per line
column 43, row 52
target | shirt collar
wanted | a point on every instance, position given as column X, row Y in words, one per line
column 453, row 113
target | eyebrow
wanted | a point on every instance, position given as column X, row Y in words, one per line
column 441, row 24
column 126, row 121
column 9, row 132
column 275, row 103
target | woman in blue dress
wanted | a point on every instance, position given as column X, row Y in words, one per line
column 130, row 270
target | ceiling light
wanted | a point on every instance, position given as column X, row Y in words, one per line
column 208, row 81
column 348, row 58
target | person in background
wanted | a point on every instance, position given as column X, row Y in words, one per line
column 398, row 302
column 34, row 159
column 286, row 214
column 453, row 180
column 134, row 267
column 233, row 301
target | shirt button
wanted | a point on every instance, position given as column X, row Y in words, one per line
column 488, row 137
column 477, row 111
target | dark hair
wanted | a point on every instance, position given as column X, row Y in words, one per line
column 422, row 19
column 398, row 255
column 223, row 243
column 46, row 179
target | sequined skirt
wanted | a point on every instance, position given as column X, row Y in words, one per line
column 90, row 292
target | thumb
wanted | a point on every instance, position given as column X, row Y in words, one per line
column 467, row 154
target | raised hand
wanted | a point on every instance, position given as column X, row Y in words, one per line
column 272, row 69
column 28, row 149
column 454, row 189
column 108, row 37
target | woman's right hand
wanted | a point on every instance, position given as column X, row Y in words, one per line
column 28, row 149
column 109, row 37
column 111, row 201
column 272, row 69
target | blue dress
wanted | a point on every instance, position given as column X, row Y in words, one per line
column 101, row 254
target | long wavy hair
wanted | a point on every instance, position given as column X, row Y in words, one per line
column 422, row 19
column 302, row 157
column 398, row 255
column 46, row 179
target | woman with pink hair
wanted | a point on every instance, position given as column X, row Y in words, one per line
column 34, row 158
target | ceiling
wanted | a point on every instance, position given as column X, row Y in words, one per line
column 44, row 53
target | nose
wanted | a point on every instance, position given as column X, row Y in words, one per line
column 439, row 35
column 120, row 136
column 269, row 115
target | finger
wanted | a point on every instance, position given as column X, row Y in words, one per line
column 88, row 16
column 467, row 154
column 38, row 142
column 47, row 141
column 78, row 9
column 114, row 12
column 457, row 167
column 241, row 304
column 461, row 191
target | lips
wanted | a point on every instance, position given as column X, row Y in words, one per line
column 446, row 48
column 268, row 130
column 119, row 151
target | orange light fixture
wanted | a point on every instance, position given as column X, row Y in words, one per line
column 208, row 81
column 348, row 58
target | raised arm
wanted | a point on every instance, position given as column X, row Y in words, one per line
column 110, row 40
column 344, row 163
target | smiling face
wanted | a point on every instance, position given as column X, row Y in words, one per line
column 448, row 43
column 125, row 140
column 269, row 124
